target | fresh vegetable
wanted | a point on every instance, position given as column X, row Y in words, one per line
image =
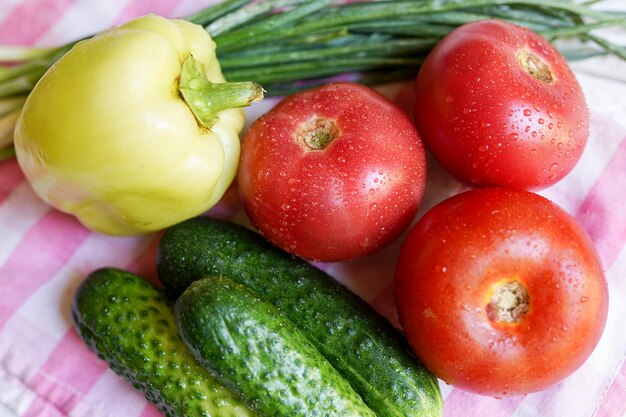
column 279, row 43
column 498, row 105
column 147, row 137
column 129, row 323
column 364, row 349
column 261, row 354
column 500, row 292
column 332, row 173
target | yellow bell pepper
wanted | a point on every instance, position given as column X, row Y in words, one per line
column 134, row 129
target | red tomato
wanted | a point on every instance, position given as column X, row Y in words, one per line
column 497, row 105
column 332, row 173
column 500, row 292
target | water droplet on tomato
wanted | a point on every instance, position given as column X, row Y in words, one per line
column 513, row 136
column 550, row 125
column 553, row 167
column 483, row 148
column 583, row 299
column 467, row 110
column 527, row 112
column 541, row 121
column 509, row 113
column 449, row 98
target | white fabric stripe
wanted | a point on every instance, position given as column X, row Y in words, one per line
column 15, row 398
column 82, row 19
column 187, row 7
column 128, row 402
column 18, row 213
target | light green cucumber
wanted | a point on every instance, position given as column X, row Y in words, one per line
column 129, row 323
column 260, row 354
column 361, row 345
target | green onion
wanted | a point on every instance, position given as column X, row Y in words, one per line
column 301, row 70
column 384, row 47
column 246, row 14
column 7, row 153
column 287, row 45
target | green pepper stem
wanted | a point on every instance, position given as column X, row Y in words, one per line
column 206, row 99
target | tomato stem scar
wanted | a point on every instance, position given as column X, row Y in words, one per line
column 316, row 134
column 534, row 65
column 509, row 303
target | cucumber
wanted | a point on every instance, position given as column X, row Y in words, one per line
column 366, row 350
column 260, row 354
column 129, row 323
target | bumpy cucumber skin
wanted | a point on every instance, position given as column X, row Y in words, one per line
column 260, row 354
column 129, row 323
column 359, row 343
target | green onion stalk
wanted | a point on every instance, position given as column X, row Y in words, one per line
column 289, row 45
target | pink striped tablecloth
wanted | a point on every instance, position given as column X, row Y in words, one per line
column 45, row 371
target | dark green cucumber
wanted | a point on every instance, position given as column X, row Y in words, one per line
column 129, row 323
column 365, row 349
column 260, row 354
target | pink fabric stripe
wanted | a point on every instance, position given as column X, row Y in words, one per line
column 10, row 176
column 137, row 8
column 42, row 408
column 61, row 366
column 150, row 410
column 41, row 253
column 30, row 20
column 460, row 403
column 613, row 403
column 144, row 265
column 604, row 220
